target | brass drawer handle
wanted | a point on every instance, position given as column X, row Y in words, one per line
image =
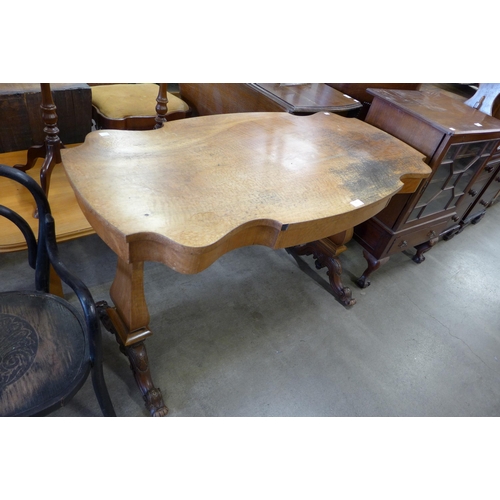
column 432, row 234
column 403, row 244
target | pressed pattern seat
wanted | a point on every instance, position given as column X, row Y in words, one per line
column 47, row 346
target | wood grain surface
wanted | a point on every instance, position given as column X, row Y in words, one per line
column 195, row 189
column 70, row 221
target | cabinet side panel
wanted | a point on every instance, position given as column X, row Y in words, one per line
column 391, row 214
column 412, row 131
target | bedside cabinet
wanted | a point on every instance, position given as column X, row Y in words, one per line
column 462, row 147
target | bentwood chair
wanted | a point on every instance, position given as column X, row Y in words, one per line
column 48, row 347
column 135, row 106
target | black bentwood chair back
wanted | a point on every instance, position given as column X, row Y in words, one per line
column 47, row 346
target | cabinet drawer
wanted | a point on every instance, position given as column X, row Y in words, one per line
column 488, row 196
column 419, row 235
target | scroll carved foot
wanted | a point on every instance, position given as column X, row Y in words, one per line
column 139, row 364
column 324, row 255
column 373, row 265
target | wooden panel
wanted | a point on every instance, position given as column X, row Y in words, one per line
column 359, row 90
column 221, row 98
column 410, row 129
column 391, row 214
column 21, row 123
column 416, row 236
column 449, row 115
column 306, row 98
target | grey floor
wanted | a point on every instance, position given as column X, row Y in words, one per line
column 259, row 333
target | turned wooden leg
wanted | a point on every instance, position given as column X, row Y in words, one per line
column 161, row 106
column 324, row 253
column 51, row 149
column 373, row 265
column 128, row 321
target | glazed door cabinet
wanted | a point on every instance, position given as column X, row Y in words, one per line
column 461, row 145
column 488, row 187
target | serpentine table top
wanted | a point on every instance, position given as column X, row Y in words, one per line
column 197, row 188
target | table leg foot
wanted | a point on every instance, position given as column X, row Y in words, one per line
column 139, row 364
column 324, row 257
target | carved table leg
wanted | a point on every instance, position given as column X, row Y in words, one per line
column 51, row 149
column 373, row 265
column 325, row 254
column 422, row 248
column 128, row 321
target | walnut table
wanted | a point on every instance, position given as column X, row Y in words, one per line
column 189, row 192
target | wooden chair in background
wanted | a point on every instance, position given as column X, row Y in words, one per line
column 47, row 347
column 132, row 106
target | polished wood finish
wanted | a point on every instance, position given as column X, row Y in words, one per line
column 305, row 98
column 70, row 221
column 360, row 91
column 193, row 190
column 21, row 124
column 50, row 150
column 459, row 144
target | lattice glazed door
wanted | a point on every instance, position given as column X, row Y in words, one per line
column 451, row 180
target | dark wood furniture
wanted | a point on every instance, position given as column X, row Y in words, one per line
column 21, row 123
column 129, row 106
column 47, row 347
column 191, row 191
column 50, row 148
column 360, row 92
column 460, row 144
column 299, row 99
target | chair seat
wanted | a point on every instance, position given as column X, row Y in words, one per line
column 43, row 353
column 123, row 100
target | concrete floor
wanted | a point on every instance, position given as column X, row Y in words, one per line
column 260, row 334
